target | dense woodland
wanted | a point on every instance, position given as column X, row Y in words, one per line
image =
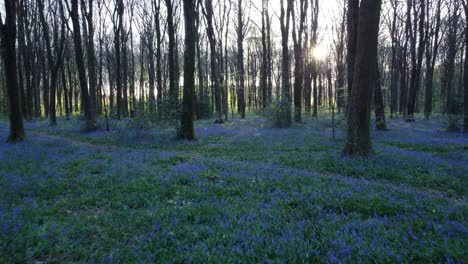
column 131, row 58
column 233, row 131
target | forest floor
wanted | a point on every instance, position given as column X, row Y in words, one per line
column 243, row 192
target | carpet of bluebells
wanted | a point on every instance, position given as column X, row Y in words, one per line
column 243, row 192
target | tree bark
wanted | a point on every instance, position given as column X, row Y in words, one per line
column 240, row 60
column 298, row 58
column 352, row 22
column 118, row 49
column 151, row 69
column 358, row 140
column 54, row 65
column 90, row 116
column 125, row 63
column 263, row 75
column 465, row 74
column 431, row 56
column 314, row 63
column 419, row 36
column 8, row 30
column 173, row 89
column 449, row 65
column 23, row 59
column 186, row 127
column 214, row 60
column 378, row 101
column 394, row 59
column 159, row 70
column 285, row 82
column 91, row 60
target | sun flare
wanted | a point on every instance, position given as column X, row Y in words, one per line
column 319, row 52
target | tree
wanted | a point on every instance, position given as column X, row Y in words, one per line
column 298, row 57
column 358, row 131
column 186, row 127
column 173, row 83
column 26, row 56
column 314, row 63
column 54, row 64
column 339, row 52
column 285, row 84
column 394, row 72
column 352, row 20
column 118, row 31
column 465, row 73
column 378, row 102
column 159, row 80
column 8, row 37
column 451, row 42
column 147, row 37
column 431, row 55
column 90, row 116
column 208, row 12
column 417, row 43
column 241, row 31
column 264, row 68
column 224, row 55
column 91, row 53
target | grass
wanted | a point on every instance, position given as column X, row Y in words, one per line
column 243, row 192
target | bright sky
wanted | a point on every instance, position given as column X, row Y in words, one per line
column 329, row 10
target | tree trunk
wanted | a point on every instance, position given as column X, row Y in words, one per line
column 358, row 140
column 269, row 55
column 159, row 70
column 201, row 113
column 142, row 79
column 240, row 60
column 263, row 75
column 173, row 89
column 416, row 60
column 124, row 74
column 132, row 77
column 465, row 74
column 314, row 62
column 340, row 63
column 298, row 58
column 54, row 65
column 285, row 82
column 186, row 127
column 214, row 61
column 8, row 31
column 79, row 57
column 403, row 81
column 118, row 50
column 45, row 86
column 352, row 22
column 431, row 56
column 449, row 65
column 378, row 101
column 21, row 57
column 393, row 62
column 65, row 95
column 91, row 53
column 151, row 74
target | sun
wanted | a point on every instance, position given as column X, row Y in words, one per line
column 319, row 52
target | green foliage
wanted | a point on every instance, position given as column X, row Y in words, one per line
column 141, row 121
column 453, row 122
column 434, row 149
column 168, row 111
column 242, row 193
column 204, row 109
column 278, row 114
column 454, row 114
